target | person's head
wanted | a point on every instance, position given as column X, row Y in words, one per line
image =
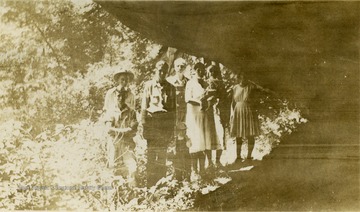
column 123, row 77
column 179, row 65
column 214, row 71
column 199, row 70
column 207, row 62
column 161, row 69
column 241, row 78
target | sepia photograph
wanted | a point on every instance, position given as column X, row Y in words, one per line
column 129, row 105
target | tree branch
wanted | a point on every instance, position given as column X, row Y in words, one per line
column 48, row 43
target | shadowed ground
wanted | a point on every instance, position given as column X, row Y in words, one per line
column 306, row 172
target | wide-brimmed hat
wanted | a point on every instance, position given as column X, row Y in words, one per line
column 123, row 72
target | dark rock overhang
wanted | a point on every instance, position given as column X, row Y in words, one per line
column 302, row 50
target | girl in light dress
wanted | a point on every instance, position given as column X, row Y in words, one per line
column 244, row 122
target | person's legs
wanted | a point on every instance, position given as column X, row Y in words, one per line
column 151, row 163
column 160, row 162
column 218, row 155
column 156, row 164
column 182, row 161
column 129, row 162
column 238, row 147
column 251, row 144
column 194, row 162
column 158, row 130
column 208, row 154
column 225, row 137
column 187, row 164
column 201, row 157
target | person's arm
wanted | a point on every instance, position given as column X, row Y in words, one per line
column 107, row 101
column 107, row 116
column 266, row 90
column 132, row 113
column 188, row 91
column 232, row 105
column 224, row 104
column 145, row 103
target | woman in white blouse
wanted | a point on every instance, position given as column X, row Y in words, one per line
column 200, row 123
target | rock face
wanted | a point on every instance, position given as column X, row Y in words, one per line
column 306, row 51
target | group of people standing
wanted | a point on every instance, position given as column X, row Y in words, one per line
column 181, row 109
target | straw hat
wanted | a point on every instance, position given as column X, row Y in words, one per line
column 123, row 72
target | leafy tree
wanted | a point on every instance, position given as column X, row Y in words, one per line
column 49, row 50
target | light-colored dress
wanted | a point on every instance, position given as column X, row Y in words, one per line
column 200, row 123
column 244, row 120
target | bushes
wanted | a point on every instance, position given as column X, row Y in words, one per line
column 35, row 169
column 65, row 169
column 275, row 126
